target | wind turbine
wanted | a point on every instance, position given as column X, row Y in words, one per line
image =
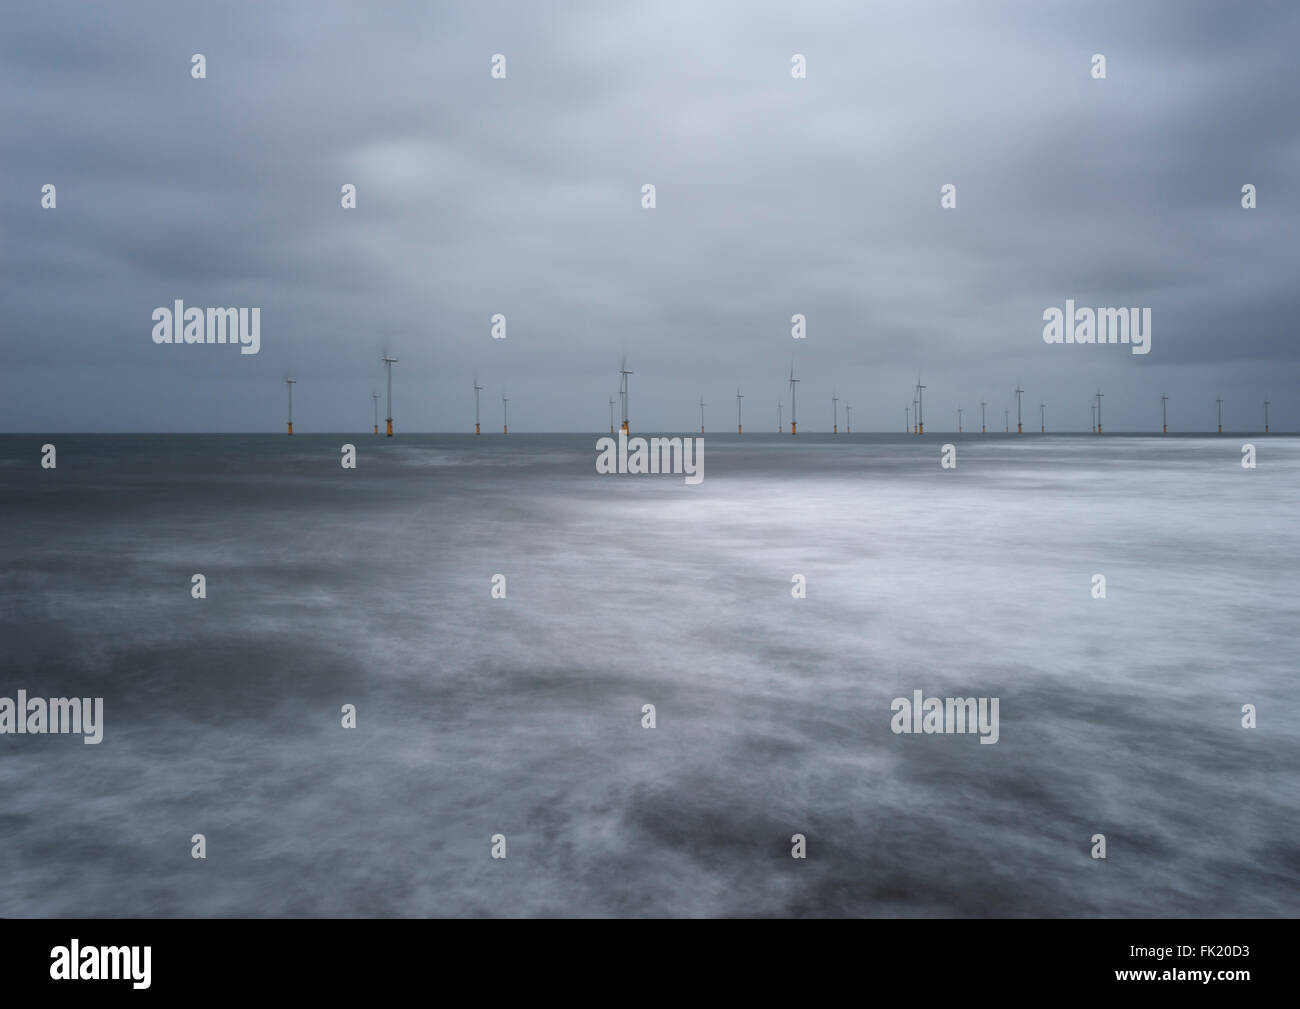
column 983, row 428
column 611, row 414
column 794, row 427
column 920, row 406
column 290, row 383
column 835, row 412
column 1019, row 392
column 1099, row 411
column 622, row 390
column 1006, row 420
column 388, row 364
column 848, row 418
column 959, row 420
column 505, row 414
column 701, row 415
column 780, row 424
column 375, row 397
column 1164, row 421
column 739, row 397
column 907, row 419
column 1220, row 402
column 1266, row 416
column 1093, row 415
column 1042, row 417
column 477, row 389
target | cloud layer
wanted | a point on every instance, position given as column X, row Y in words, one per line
column 522, row 196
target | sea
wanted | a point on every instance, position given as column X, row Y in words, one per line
column 495, row 616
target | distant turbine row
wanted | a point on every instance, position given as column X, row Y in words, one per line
column 913, row 416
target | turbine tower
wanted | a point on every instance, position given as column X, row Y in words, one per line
column 1099, row 411
column 983, row 429
column 739, row 397
column 701, row 415
column 907, row 419
column 794, row 426
column 505, row 414
column 1019, row 393
column 1266, row 416
column 622, row 390
column 611, row 414
column 1220, row 402
column 1006, row 420
column 835, row 412
column 920, row 406
column 388, row 364
column 1042, row 417
column 848, row 418
column 959, row 420
column 375, row 397
column 780, row 424
column 290, row 382
column 1092, row 408
column 477, row 389
column 1164, row 422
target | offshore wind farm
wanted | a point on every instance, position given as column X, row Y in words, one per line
column 451, row 507
column 357, row 646
column 913, row 415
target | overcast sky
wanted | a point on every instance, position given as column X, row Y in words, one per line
column 522, row 196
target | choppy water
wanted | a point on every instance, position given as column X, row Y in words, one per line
column 522, row 716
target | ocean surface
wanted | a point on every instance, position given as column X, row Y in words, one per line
column 522, row 716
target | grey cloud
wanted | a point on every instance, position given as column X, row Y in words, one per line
column 522, row 197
